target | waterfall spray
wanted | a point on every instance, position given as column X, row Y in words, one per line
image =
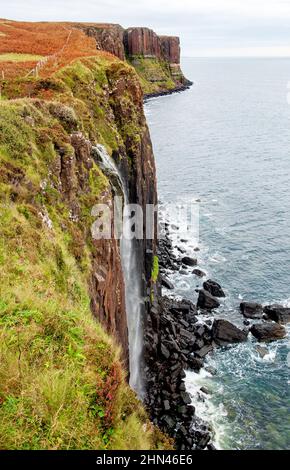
column 132, row 276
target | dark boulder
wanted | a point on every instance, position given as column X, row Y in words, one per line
column 268, row 331
column 166, row 283
column 207, row 301
column 225, row 333
column 251, row 310
column 213, row 288
column 187, row 261
column 198, row 272
column 277, row 313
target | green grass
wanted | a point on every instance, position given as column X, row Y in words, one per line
column 62, row 382
column 14, row 57
column 155, row 75
column 155, row 269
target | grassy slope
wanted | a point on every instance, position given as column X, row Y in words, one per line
column 61, row 379
column 154, row 75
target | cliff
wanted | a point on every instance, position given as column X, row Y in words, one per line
column 59, row 367
column 156, row 59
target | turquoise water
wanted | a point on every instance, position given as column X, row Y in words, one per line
column 226, row 141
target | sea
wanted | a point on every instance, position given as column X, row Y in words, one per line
column 225, row 143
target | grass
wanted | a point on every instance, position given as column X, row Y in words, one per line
column 62, row 380
column 155, row 75
column 13, row 57
column 155, row 269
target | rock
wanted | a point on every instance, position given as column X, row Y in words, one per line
column 246, row 322
column 185, row 333
column 251, row 310
column 204, row 351
column 262, row 351
column 268, row 331
column 189, row 261
column 207, row 301
column 166, row 283
column 185, row 398
column 165, row 352
column 195, row 364
column 196, row 249
column 211, row 370
column 198, row 273
column 211, row 447
column 213, row 288
column 277, row 313
column 169, row 422
column 205, row 391
column 225, row 333
column 166, row 405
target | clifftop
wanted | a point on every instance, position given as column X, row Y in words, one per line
column 42, row 48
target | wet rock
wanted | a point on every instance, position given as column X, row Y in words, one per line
column 195, row 364
column 211, row 447
column 211, row 370
column 268, row 332
column 204, row 351
column 205, row 390
column 277, row 313
column 246, row 322
column 262, row 351
column 207, row 301
column 213, row 288
column 198, row 272
column 187, row 261
column 185, row 398
column 166, row 283
column 251, row 310
column 225, row 333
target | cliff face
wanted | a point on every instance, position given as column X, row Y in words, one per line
column 54, row 271
column 142, row 41
column 108, row 38
column 155, row 58
column 170, row 46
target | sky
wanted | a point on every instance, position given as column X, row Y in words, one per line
column 218, row 28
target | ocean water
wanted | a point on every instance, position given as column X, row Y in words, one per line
column 226, row 142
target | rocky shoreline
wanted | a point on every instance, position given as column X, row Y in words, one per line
column 178, row 89
column 178, row 337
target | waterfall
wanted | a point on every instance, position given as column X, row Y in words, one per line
column 131, row 272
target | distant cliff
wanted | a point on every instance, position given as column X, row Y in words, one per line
column 155, row 58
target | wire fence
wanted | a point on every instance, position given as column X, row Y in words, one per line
column 49, row 59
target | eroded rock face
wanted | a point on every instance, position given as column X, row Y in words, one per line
column 109, row 37
column 142, row 41
column 106, row 285
column 170, row 47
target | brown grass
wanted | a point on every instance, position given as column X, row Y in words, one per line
column 61, row 40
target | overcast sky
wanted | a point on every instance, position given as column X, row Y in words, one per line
column 206, row 27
